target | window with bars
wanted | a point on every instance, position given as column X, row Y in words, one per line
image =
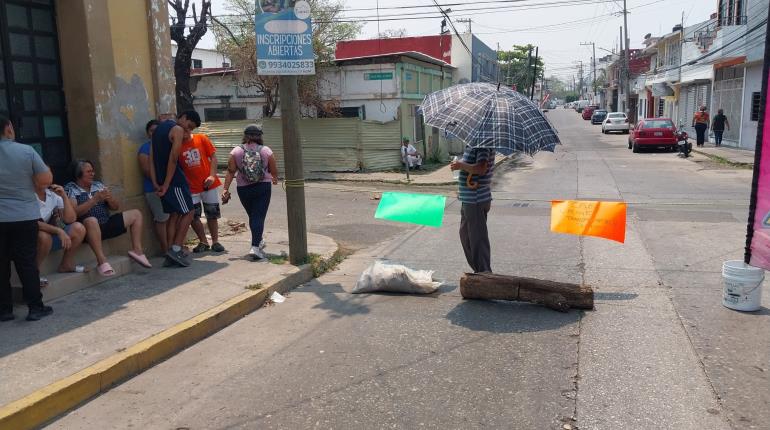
column 756, row 100
column 732, row 12
column 197, row 64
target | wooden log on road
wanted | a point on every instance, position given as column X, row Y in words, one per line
column 559, row 296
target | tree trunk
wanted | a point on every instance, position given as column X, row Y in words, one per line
column 182, row 66
column 559, row 296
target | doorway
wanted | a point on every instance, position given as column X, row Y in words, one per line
column 30, row 80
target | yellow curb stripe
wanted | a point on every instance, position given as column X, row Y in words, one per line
column 59, row 397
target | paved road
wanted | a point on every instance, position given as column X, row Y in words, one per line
column 342, row 211
column 659, row 351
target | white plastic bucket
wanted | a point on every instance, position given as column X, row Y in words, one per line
column 743, row 286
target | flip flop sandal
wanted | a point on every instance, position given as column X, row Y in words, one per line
column 106, row 270
column 43, row 282
column 140, row 258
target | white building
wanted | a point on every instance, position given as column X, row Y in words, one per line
column 205, row 58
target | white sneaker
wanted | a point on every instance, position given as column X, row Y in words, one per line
column 257, row 253
column 262, row 244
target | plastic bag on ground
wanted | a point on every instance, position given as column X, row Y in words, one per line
column 395, row 278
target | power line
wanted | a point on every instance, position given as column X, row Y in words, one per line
column 431, row 15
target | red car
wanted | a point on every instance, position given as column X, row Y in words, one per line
column 653, row 133
column 588, row 111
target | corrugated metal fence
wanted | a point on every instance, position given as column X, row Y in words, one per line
column 328, row 144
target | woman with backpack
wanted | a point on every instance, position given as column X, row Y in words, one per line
column 254, row 168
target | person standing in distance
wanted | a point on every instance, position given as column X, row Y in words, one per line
column 170, row 182
column 475, row 181
column 718, row 126
column 700, row 121
column 21, row 168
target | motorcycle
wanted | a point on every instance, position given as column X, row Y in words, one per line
column 685, row 147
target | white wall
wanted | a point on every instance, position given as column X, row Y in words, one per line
column 210, row 58
column 461, row 58
column 348, row 84
column 213, row 92
column 753, row 83
column 756, row 10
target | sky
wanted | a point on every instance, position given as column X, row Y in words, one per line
column 558, row 30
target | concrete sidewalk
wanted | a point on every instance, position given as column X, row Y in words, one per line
column 441, row 176
column 741, row 157
column 95, row 324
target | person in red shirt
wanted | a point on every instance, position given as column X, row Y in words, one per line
column 199, row 164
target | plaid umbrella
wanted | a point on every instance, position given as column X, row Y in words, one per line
column 488, row 116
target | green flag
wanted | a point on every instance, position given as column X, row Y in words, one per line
column 423, row 209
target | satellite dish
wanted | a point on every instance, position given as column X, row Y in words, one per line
column 464, row 81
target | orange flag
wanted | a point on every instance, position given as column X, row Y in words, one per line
column 589, row 218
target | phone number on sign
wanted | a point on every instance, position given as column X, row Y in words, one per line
column 303, row 64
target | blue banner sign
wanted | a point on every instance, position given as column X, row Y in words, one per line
column 284, row 38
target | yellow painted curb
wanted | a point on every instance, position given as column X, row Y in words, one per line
column 59, row 397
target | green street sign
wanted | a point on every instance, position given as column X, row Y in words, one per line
column 381, row 76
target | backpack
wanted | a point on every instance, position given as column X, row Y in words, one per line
column 252, row 166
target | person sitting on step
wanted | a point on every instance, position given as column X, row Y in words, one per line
column 94, row 203
column 58, row 228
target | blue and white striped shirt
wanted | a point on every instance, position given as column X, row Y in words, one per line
column 483, row 193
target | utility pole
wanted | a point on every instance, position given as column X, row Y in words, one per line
column 621, row 71
column 534, row 74
column 627, row 88
column 509, row 81
column 497, row 62
column 295, row 175
column 529, row 65
column 593, row 61
column 580, row 80
column 467, row 21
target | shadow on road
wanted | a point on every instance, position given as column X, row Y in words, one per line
column 508, row 317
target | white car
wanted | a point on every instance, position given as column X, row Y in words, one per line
column 616, row 121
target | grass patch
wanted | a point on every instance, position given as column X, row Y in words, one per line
column 255, row 287
column 278, row 259
column 726, row 162
column 322, row 265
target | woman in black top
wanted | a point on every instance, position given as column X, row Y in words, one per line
column 718, row 125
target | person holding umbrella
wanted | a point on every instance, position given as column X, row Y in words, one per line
column 489, row 119
column 476, row 198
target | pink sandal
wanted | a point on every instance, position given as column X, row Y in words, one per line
column 105, row 269
column 140, row 258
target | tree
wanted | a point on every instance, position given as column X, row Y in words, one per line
column 513, row 66
column 237, row 40
column 185, row 45
column 559, row 89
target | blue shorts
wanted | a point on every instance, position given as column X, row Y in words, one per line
column 56, row 242
column 177, row 200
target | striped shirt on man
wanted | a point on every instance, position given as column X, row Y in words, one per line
column 483, row 193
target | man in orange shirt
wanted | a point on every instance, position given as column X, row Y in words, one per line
column 199, row 164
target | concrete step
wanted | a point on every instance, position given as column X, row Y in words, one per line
column 61, row 284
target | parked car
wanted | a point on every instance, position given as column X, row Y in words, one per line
column 653, row 133
column 588, row 111
column 616, row 121
column 598, row 116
